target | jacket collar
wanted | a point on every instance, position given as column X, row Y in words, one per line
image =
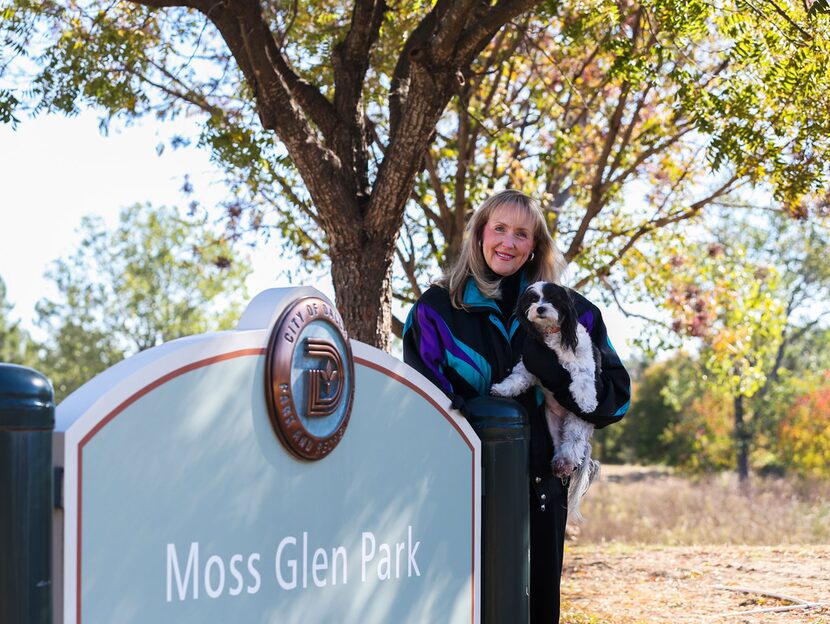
column 474, row 299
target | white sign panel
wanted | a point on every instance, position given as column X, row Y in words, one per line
column 223, row 478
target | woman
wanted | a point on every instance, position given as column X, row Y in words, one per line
column 463, row 336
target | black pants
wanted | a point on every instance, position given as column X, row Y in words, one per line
column 547, row 542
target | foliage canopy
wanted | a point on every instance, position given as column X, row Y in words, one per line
column 155, row 277
column 332, row 123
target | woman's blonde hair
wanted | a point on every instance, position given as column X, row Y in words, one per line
column 545, row 263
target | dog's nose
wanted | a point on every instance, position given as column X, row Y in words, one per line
column 541, row 310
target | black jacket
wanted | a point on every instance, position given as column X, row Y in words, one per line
column 464, row 352
column 613, row 383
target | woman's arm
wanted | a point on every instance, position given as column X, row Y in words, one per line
column 423, row 347
column 613, row 383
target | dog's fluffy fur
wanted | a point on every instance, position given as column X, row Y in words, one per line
column 548, row 315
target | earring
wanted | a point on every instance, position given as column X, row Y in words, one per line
column 532, row 255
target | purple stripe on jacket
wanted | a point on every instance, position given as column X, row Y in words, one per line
column 435, row 337
column 587, row 320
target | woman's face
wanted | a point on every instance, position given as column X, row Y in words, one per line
column 507, row 240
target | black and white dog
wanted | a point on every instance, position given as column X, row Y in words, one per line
column 547, row 312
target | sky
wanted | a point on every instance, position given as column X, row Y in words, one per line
column 56, row 169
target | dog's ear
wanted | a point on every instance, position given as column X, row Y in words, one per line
column 528, row 297
column 568, row 322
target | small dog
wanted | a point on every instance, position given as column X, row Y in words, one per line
column 548, row 315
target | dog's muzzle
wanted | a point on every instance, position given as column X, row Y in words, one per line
column 545, row 313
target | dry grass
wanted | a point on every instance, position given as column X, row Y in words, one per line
column 714, row 584
column 657, row 548
column 642, row 505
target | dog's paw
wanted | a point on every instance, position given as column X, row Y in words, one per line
column 561, row 466
column 512, row 385
column 501, row 389
column 585, row 394
column 567, row 458
column 587, row 406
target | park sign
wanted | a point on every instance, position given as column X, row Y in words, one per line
column 278, row 472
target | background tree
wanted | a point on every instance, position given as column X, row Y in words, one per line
column 745, row 295
column 803, row 370
column 680, row 418
column 16, row 346
column 676, row 419
column 804, row 432
column 601, row 104
column 157, row 276
column 639, row 438
column 581, row 103
column 310, row 74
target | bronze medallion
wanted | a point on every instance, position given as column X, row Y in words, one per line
column 309, row 378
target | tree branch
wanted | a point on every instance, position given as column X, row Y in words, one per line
column 252, row 44
column 288, row 189
column 475, row 38
column 646, row 154
column 611, row 289
column 399, row 87
column 283, row 102
column 408, row 265
column 629, row 130
column 351, row 62
column 655, row 224
column 598, row 186
column 438, row 189
column 429, row 212
column 189, row 95
column 498, row 45
column 351, row 56
column 161, row 4
column 453, row 15
column 795, row 25
column 397, row 325
column 644, row 229
column 462, row 163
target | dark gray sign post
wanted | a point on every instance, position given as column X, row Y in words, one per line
column 501, row 424
column 27, row 419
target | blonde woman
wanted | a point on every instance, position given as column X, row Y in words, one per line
column 463, row 336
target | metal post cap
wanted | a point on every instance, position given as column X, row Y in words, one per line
column 27, row 401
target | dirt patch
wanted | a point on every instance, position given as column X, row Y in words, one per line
column 626, row 584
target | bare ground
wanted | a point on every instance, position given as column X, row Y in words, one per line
column 627, row 584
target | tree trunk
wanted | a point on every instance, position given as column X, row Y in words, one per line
column 325, row 133
column 741, row 443
column 362, row 278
